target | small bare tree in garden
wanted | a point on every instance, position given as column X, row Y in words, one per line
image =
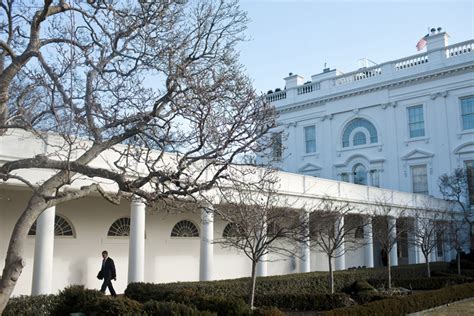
column 259, row 221
column 455, row 187
column 386, row 231
column 429, row 227
column 457, row 236
column 331, row 230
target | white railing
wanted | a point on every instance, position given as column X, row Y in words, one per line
column 358, row 75
column 411, row 62
column 276, row 96
column 308, row 88
column 460, row 49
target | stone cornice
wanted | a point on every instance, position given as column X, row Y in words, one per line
column 375, row 87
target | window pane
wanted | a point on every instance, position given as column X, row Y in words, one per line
column 276, row 146
column 416, row 122
column 310, row 139
column 467, row 112
column 419, row 179
column 355, row 123
column 360, row 174
column 345, row 177
column 359, row 139
column 375, row 178
column 470, row 179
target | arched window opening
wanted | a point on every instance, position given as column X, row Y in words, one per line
column 360, row 174
column 359, row 139
column 359, row 123
column 120, row 228
column 61, row 228
column 230, row 230
column 184, row 229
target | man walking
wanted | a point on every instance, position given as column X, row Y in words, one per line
column 108, row 273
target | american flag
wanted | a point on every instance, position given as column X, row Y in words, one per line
column 421, row 43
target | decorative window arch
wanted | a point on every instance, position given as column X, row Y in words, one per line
column 62, row 228
column 230, row 230
column 359, row 139
column 120, row 228
column 184, row 228
column 360, row 174
column 355, row 124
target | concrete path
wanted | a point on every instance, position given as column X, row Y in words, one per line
column 464, row 307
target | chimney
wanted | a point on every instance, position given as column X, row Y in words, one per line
column 293, row 80
column 436, row 40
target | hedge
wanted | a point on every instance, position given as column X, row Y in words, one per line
column 424, row 284
column 304, row 302
column 408, row 304
column 312, row 282
column 31, row 305
column 172, row 309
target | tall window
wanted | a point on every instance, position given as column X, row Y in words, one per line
column 360, row 174
column 359, row 139
column 310, row 139
column 416, row 122
column 439, row 244
column 467, row 112
column 375, row 178
column 419, row 178
column 470, row 179
column 277, row 149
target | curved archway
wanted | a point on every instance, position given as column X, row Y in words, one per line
column 120, row 228
column 62, row 228
column 185, row 228
column 358, row 123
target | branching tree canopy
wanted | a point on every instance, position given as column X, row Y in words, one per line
column 154, row 84
column 261, row 221
column 332, row 227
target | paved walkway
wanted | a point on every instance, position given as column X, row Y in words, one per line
column 465, row 307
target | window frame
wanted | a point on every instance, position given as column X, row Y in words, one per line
column 409, row 123
column 306, row 140
column 466, row 130
column 412, row 167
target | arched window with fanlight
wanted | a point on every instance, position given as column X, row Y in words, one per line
column 62, row 228
column 120, row 228
column 358, row 132
column 360, row 174
column 230, row 230
column 185, row 229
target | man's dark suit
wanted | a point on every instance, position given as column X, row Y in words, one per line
column 108, row 272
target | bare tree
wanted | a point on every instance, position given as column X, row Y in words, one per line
column 454, row 187
column 259, row 222
column 386, row 231
column 332, row 230
column 128, row 80
column 429, row 231
column 457, row 237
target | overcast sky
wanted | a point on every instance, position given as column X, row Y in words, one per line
column 299, row 36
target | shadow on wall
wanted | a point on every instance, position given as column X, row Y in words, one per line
column 78, row 272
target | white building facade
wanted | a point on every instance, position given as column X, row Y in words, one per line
column 64, row 246
column 398, row 125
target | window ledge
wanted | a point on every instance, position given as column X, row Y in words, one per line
column 465, row 132
column 315, row 154
column 361, row 147
column 425, row 139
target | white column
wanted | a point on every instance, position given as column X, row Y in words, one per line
column 44, row 251
column 434, row 252
column 340, row 260
column 136, row 254
column 419, row 254
column 305, row 263
column 392, row 224
column 368, row 243
column 206, row 255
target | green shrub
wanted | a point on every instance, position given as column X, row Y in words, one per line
column 172, row 309
column 223, row 306
column 74, row 299
column 409, row 304
column 31, row 305
column 106, row 305
column 304, row 302
column 367, row 297
column 424, row 284
column 361, row 286
column 267, row 311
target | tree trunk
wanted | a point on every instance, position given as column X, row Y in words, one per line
column 458, row 260
column 331, row 275
column 253, row 282
column 14, row 262
column 428, row 270
column 389, row 271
